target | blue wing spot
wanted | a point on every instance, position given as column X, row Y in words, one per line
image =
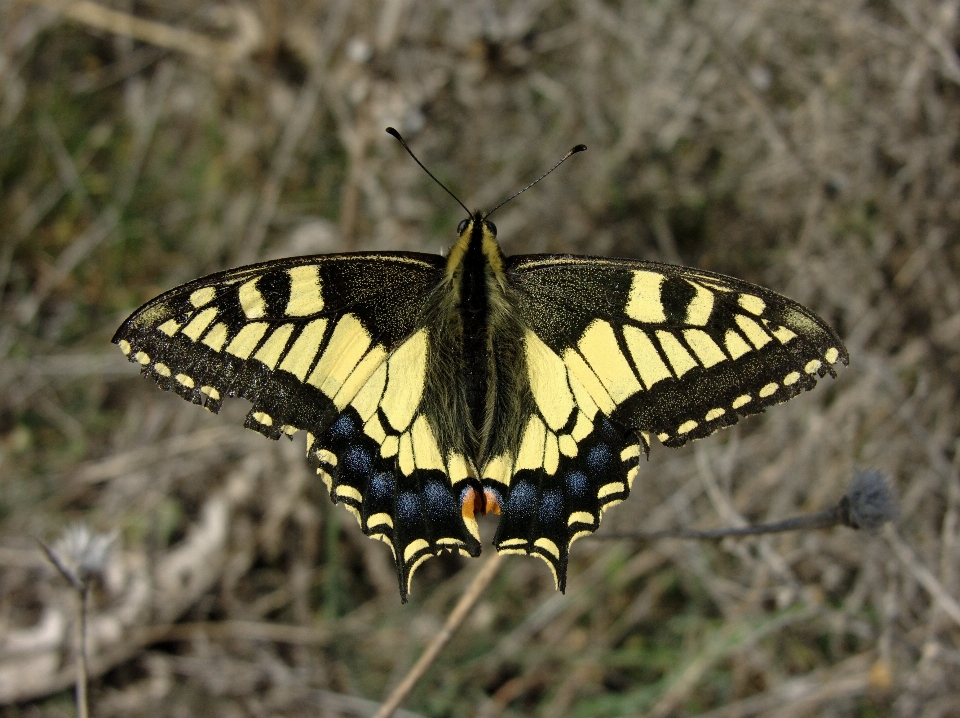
column 440, row 504
column 607, row 432
column 357, row 462
column 343, row 428
column 577, row 484
column 551, row 507
column 408, row 509
column 382, row 487
column 599, row 459
column 522, row 503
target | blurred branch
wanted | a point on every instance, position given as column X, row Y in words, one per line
column 935, row 35
column 66, row 262
column 38, row 209
column 101, row 228
column 947, row 603
column 303, row 111
column 218, row 438
column 805, row 694
column 681, row 681
column 233, row 630
column 779, row 141
column 340, row 704
column 66, row 167
column 64, row 366
column 294, row 129
column 470, row 596
column 161, row 35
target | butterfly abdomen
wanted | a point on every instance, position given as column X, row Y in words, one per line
column 474, row 312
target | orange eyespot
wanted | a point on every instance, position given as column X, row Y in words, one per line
column 474, row 503
column 468, row 503
column 492, row 504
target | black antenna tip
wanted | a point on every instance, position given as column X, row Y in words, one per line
column 393, row 133
column 578, row 148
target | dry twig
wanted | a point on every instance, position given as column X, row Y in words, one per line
column 156, row 33
column 467, row 600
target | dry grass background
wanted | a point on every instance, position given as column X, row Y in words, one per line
column 810, row 146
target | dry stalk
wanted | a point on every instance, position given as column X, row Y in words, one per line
column 473, row 592
column 83, row 704
column 154, row 33
column 924, row 576
column 78, row 578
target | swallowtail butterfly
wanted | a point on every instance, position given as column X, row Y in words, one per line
column 434, row 390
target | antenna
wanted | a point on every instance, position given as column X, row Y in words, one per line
column 393, row 133
column 578, row 148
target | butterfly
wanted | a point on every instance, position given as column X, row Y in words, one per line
column 434, row 390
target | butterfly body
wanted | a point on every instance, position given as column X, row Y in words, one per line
column 471, row 287
column 434, row 390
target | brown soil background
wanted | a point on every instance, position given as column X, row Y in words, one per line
column 812, row 147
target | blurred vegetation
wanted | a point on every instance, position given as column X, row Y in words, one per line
column 812, row 147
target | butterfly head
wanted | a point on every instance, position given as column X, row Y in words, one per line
column 476, row 247
column 477, row 222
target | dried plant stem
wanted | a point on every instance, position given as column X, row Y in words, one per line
column 924, row 576
column 81, row 586
column 154, row 33
column 868, row 504
column 83, row 708
column 476, row 588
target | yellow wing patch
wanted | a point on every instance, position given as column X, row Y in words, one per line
column 598, row 344
column 251, row 300
column 304, row 350
column 645, row 357
column 348, row 343
column 306, row 291
column 645, row 304
column 270, row 351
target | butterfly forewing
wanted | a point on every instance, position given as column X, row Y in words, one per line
column 287, row 335
column 669, row 350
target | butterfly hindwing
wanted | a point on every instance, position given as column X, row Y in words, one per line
column 545, row 508
column 670, row 350
column 383, row 460
column 569, row 463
